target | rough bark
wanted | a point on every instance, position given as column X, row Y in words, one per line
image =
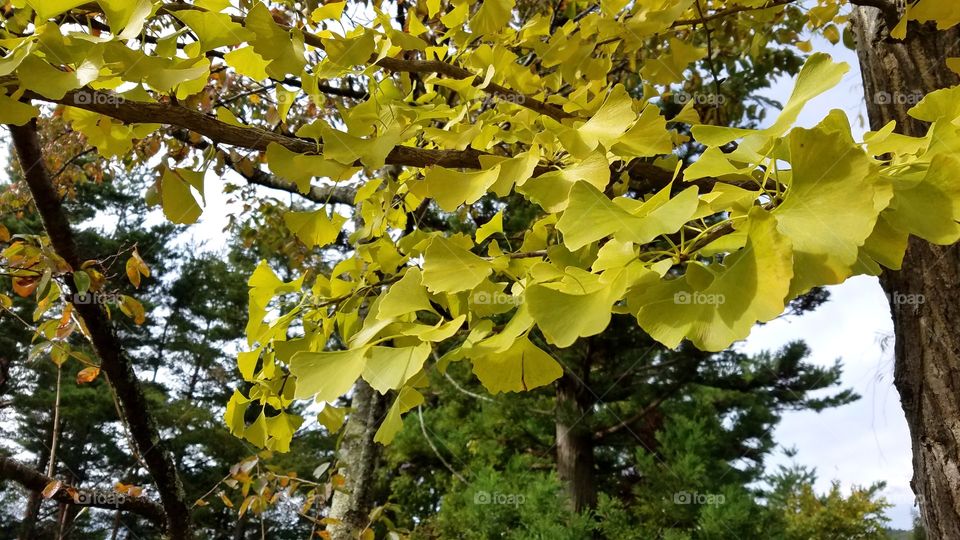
column 575, row 444
column 927, row 370
column 114, row 362
column 358, row 457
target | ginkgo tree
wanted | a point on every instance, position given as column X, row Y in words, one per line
column 455, row 104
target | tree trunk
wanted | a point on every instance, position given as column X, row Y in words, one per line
column 358, row 455
column 927, row 370
column 575, row 437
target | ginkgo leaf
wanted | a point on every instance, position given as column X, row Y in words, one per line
column 829, row 209
column 300, row 168
column 16, row 112
column 405, row 296
column 327, row 375
column 274, row 44
column 490, row 228
column 214, row 29
column 314, row 228
column 48, row 81
column 126, row 17
column 605, row 127
column 575, row 308
column 332, row 417
column 448, row 267
column 407, row 399
column 236, row 409
column 492, row 16
column 930, row 208
column 591, row 216
column 247, row 63
column 552, row 190
column 179, row 203
column 818, row 75
column 389, row 368
column 945, row 14
column 669, row 68
column 50, row 8
column 451, row 188
column 718, row 306
column 524, row 366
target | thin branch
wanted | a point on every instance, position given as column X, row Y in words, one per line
column 423, row 428
column 23, row 474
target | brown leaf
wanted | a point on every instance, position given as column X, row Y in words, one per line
column 87, row 375
column 51, row 489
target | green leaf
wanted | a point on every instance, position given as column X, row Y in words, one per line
column 930, row 208
column 51, row 8
column 448, row 267
column 407, row 399
column 314, row 228
column 591, row 216
column 332, row 417
column 81, row 280
column 389, row 368
column 300, row 168
column 214, row 29
column 179, row 203
column 236, row 408
column 490, row 228
column 275, row 44
column 552, row 190
column 405, row 296
column 327, row 375
column 50, row 82
column 16, row 112
column 492, row 16
column 830, row 207
column 452, row 188
column 522, row 367
column 713, row 307
column 818, row 75
column 247, row 63
column 126, row 17
column 578, row 306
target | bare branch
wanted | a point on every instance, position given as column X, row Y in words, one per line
column 11, row 469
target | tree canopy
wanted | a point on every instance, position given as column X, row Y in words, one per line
column 486, row 184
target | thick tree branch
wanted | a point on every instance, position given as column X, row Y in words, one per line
column 318, row 194
column 33, row 480
column 114, row 362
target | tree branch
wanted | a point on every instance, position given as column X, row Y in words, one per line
column 114, row 362
column 11, row 469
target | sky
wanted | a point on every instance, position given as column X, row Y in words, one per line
column 857, row 444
